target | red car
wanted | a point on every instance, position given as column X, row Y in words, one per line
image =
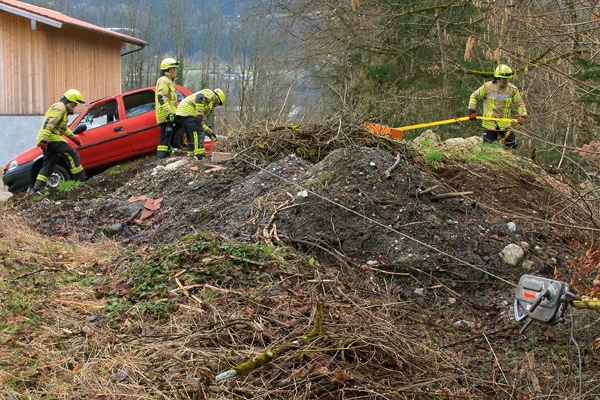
column 119, row 128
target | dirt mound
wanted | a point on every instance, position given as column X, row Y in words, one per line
column 402, row 251
column 345, row 198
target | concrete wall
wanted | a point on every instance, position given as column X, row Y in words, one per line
column 4, row 193
column 17, row 134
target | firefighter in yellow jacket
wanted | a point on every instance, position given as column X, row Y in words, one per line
column 499, row 96
column 192, row 112
column 50, row 140
column 166, row 100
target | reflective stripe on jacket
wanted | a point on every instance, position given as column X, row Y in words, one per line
column 55, row 124
column 166, row 97
column 497, row 103
column 199, row 104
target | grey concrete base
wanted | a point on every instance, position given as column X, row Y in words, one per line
column 18, row 133
column 4, row 193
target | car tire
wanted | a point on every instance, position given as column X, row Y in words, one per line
column 179, row 139
column 60, row 174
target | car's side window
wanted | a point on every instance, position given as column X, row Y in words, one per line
column 101, row 115
column 139, row 103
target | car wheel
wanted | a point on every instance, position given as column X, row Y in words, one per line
column 59, row 175
column 179, row 140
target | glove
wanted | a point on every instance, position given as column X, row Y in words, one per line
column 213, row 137
column 171, row 118
column 472, row 115
column 521, row 119
column 43, row 145
column 77, row 141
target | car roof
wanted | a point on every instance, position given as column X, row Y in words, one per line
column 179, row 87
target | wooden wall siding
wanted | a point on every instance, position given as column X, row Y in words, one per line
column 85, row 61
column 21, row 67
column 37, row 66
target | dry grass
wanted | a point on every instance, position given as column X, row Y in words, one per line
column 58, row 342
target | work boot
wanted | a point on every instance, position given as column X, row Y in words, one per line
column 80, row 177
column 201, row 157
column 34, row 192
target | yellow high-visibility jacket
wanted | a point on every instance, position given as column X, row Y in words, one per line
column 166, row 97
column 497, row 103
column 199, row 104
column 54, row 125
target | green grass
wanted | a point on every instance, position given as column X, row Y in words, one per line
column 197, row 259
column 69, row 186
column 128, row 166
column 488, row 153
column 434, row 156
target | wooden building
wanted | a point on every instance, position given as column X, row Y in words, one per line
column 45, row 52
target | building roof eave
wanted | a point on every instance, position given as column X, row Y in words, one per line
column 31, row 16
column 58, row 20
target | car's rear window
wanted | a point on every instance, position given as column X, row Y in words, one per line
column 139, row 103
column 180, row 95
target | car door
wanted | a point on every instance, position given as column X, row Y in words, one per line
column 140, row 121
column 106, row 139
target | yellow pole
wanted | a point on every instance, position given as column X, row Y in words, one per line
column 451, row 121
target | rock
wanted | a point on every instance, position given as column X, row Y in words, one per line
column 456, row 142
column 464, row 323
column 113, row 229
column 527, row 265
column 174, row 165
column 512, row 255
column 428, row 135
column 131, row 208
column 474, row 141
column 464, row 143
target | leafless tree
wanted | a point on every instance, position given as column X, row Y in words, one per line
column 407, row 62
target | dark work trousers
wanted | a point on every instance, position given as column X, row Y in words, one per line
column 51, row 154
column 491, row 136
column 195, row 137
column 164, row 140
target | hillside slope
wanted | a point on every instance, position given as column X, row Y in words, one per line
column 398, row 245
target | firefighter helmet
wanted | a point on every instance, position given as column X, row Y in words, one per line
column 74, row 96
column 503, row 71
column 168, row 63
column 220, row 94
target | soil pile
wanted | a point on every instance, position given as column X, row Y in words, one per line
column 403, row 257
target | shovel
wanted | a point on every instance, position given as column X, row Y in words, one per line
column 398, row 133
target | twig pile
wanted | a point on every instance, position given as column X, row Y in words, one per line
column 311, row 142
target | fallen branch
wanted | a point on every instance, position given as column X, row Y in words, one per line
column 388, row 172
column 285, row 205
column 448, row 195
column 266, row 357
column 428, row 190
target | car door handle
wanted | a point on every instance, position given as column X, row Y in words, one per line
column 118, row 128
